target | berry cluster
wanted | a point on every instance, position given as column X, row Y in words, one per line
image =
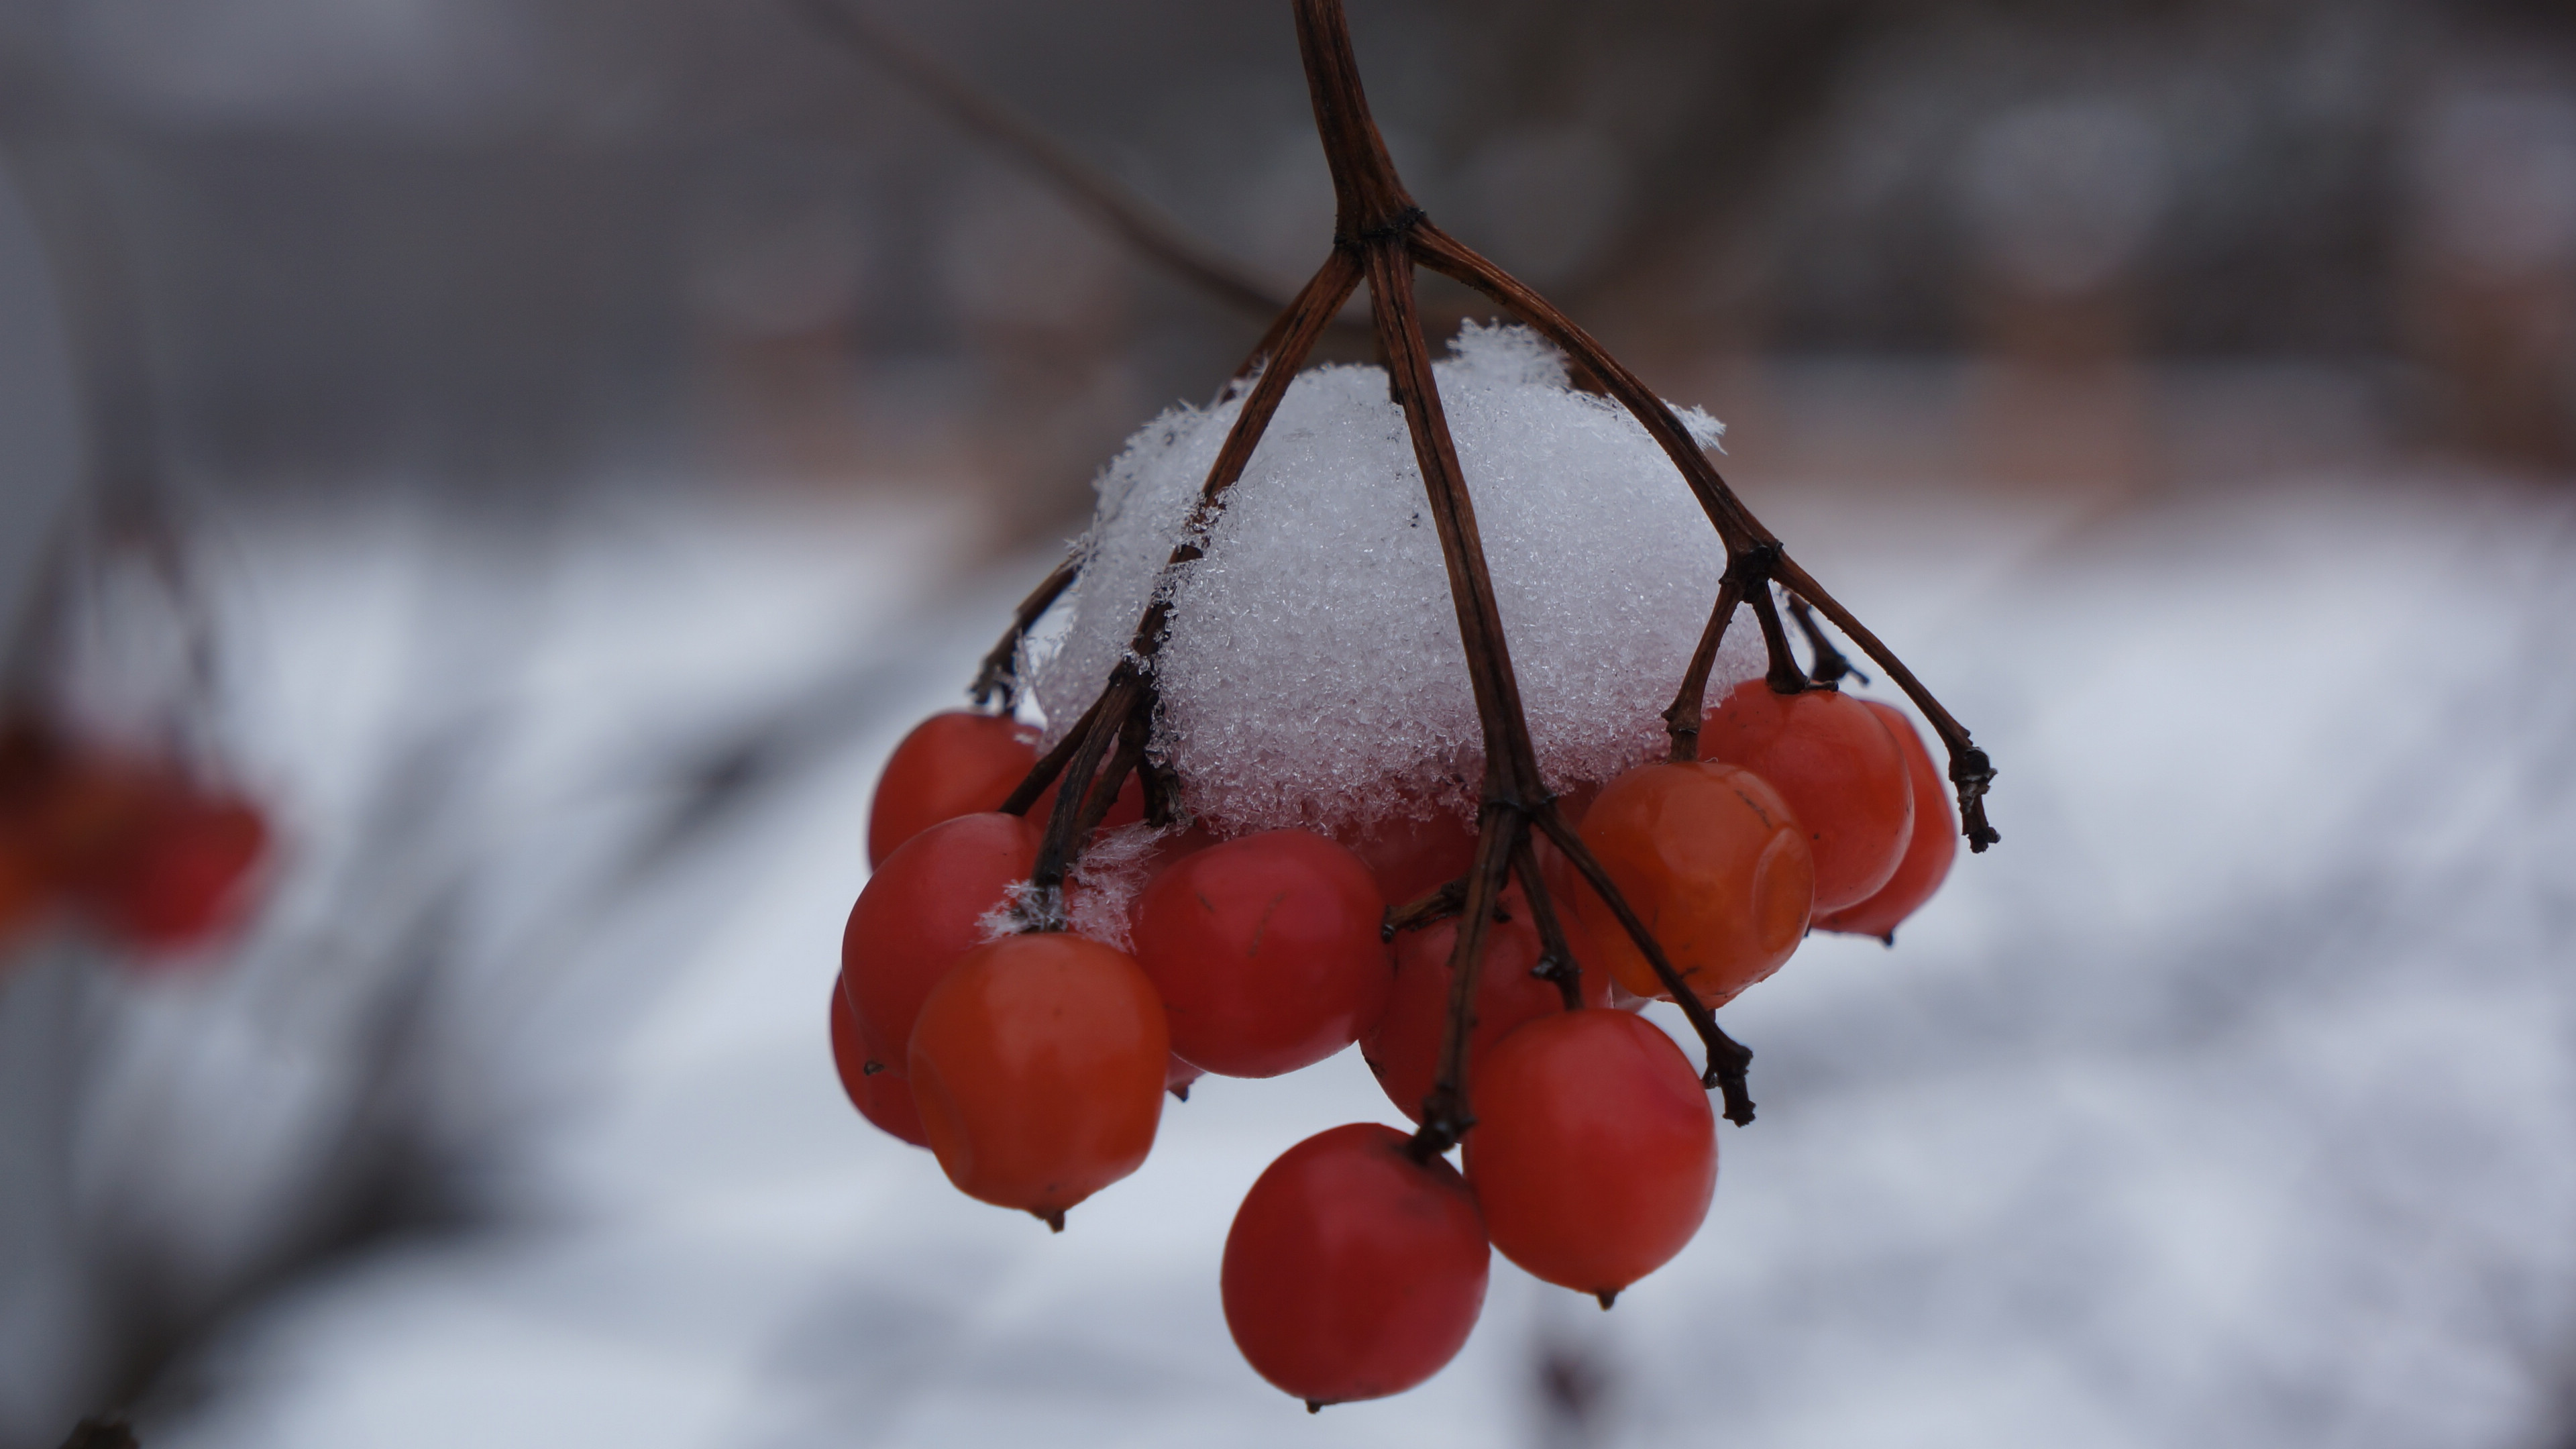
column 1022, row 1015
column 153, row 858
column 1033, row 1063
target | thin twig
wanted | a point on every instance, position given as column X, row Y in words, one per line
column 1043, row 908
column 1380, row 234
column 1000, row 672
column 1970, row 771
column 1437, row 904
column 1784, row 674
column 1690, row 703
column 1052, row 763
column 1128, row 693
column 1831, row 668
column 1727, row 1058
column 1556, row 961
column 1117, row 206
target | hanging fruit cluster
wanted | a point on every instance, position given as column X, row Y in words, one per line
column 149, row 856
column 1023, row 1016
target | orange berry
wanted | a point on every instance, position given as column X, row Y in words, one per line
column 1929, row 851
column 1037, row 1066
column 1837, row 769
column 1715, row 866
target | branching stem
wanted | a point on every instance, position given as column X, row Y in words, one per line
column 1556, row 963
column 1380, row 236
column 1830, row 668
column 1000, row 671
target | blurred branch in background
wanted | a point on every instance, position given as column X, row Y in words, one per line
column 1134, row 219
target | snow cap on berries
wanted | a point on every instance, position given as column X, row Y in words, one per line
column 1313, row 674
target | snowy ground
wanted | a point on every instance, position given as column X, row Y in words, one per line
column 2229, row 1102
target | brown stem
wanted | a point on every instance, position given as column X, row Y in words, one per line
column 1368, row 199
column 1127, row 701
column 1970, row 770
column 1512, row 780
column 1971, row 773
column 1727, row 1058
column 1382, row 235
column 1690, row 703
column 1556, row 961
column 1052, row 763
column 1830, row 668
column 1132, row 737
column 1000, row 672
column 1104, row 724
column 1452, row 258
column 1445, row 1114
column 1288, row 343
column 1437, row 904
column 1785, row 676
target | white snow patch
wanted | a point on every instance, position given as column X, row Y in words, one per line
column 1313, row 673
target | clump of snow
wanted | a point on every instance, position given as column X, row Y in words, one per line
column 1107, row 877
column 1313, row 673
column 1112, row 871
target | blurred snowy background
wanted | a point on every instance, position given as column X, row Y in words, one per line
column 602, row 429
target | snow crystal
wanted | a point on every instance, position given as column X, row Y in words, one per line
column 1313, row 673
column 1108, row 876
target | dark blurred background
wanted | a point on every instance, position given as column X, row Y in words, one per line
column 554, row 240
column 602, row 425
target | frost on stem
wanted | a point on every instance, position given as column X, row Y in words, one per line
column 1315, row 682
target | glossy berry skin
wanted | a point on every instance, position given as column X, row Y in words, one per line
column 1266, row 952
column 1715, row 866
column 1038, row 1067
column 921, row 911
column 1352, row 1271
column 950, row 765
column 1594, row 1151
column 1412, row 857
column 1404, row 1049
column 1929, row 851
column 181, row 871
column 884, row 1098
column 1837, row 769
column 24, row 891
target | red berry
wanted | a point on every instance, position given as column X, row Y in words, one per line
column 950, row 765
column 181, row 873
column 1928, row 852
column 24, row 890
column 1837, row 769
column 1594, row 1151
column 1404, row 1050
column 1038, row 1067
column 1353, row 1271
column 921, row 911
column 1712, row 862
column 883, row 1097
column 1412, row 857
column 1266, row 952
